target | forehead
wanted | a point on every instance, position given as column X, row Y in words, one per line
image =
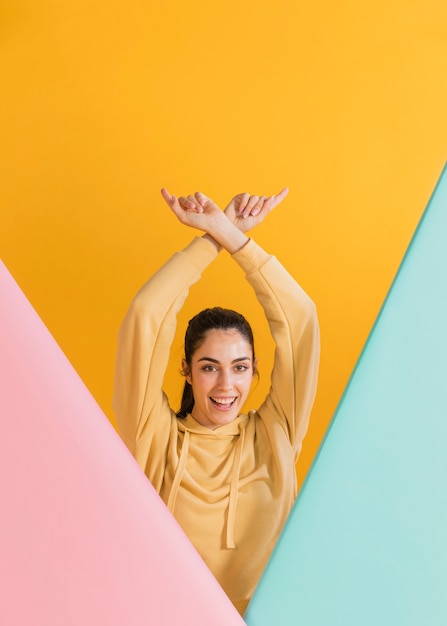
column 221, row 344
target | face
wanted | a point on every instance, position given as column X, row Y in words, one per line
column 221, row 374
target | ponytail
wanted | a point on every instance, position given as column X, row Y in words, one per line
column 187, row 401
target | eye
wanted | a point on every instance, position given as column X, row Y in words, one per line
column 241, row 367
column 209, row 368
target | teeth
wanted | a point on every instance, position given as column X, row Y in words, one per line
column 223, row 400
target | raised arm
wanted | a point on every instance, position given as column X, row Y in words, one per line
column 292, row 319
column 142, row 411
column 293, row 322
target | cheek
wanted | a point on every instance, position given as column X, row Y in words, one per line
column 247, row 382
column 200, row 382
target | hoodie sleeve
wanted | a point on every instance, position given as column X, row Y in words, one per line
column 142, row 411
column 293, row 322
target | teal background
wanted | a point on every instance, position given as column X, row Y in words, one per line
column 366, row 543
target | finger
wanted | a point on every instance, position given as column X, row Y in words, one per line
column 189, row 204
column 171, row 201
column 258, row 206
column 243, row 201
column 201, row 198
column 175, row 206
column 250, row 204
column 275, row 200
column 195, row 202
column 166, row 196
column 185, row 203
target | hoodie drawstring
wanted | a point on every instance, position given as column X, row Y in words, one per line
column 234, row 483
column 179, row 472
column 234, row 488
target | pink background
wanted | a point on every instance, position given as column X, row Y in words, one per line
column 84, row 539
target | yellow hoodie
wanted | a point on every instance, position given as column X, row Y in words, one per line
column 232, row 488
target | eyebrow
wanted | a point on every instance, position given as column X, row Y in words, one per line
column 238, row 360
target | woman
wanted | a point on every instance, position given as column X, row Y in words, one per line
column 227, row 476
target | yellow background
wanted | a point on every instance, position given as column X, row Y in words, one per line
column 102, row 103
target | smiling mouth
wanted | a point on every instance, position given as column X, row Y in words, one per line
column 223, row 403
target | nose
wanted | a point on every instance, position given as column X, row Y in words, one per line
column 225, row 380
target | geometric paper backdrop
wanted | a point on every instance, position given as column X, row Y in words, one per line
column 367, row 540
column 84, row 538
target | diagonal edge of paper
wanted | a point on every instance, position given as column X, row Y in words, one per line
column 84, row 538
column 366, row 541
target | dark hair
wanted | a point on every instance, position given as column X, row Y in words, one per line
column 198, row 327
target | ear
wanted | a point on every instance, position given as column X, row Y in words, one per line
column 186, row 371
column 255, row 367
